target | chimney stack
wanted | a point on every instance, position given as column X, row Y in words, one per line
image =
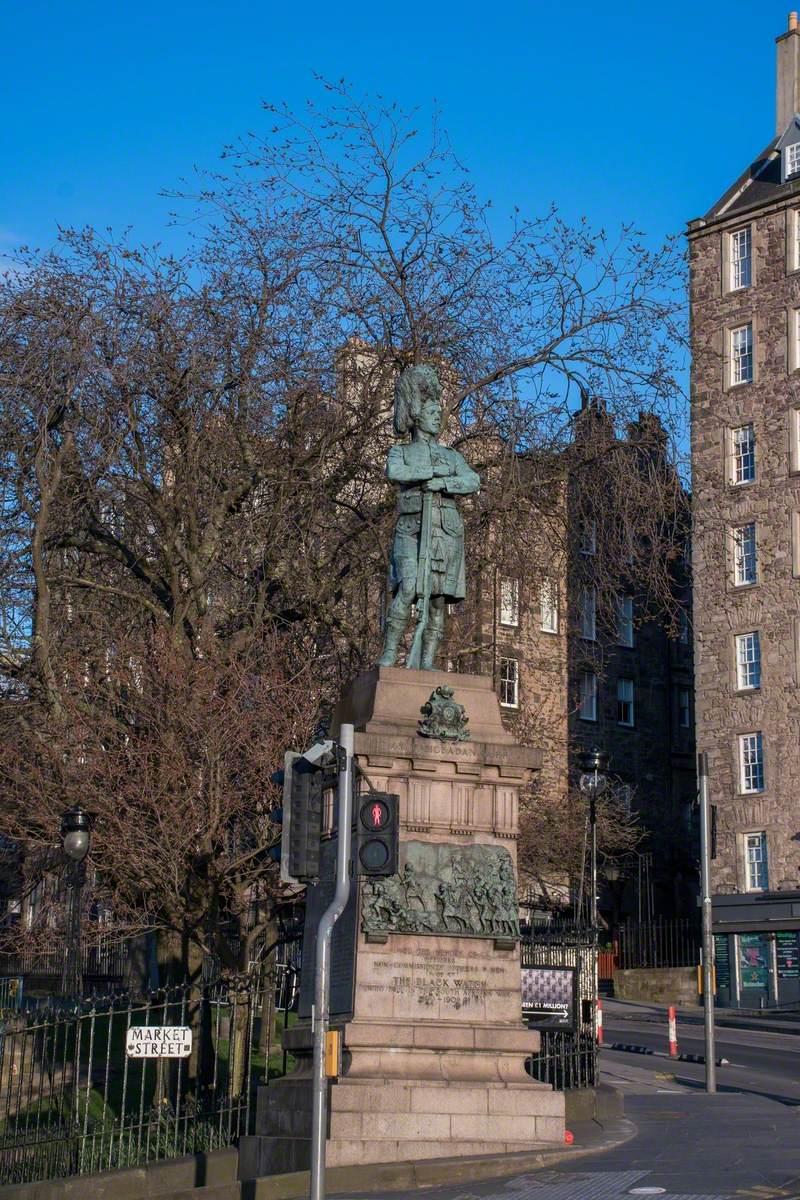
column 788, row 84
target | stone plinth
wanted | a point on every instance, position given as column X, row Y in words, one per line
column 434, row 1045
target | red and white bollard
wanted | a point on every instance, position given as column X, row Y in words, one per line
column 599, row 1021
column 673, row 1032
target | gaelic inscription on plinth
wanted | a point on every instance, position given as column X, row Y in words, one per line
column 468, row 891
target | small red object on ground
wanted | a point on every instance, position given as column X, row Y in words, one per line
column 569, row 1136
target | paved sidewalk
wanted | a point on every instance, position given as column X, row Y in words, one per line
column 687, row 1146
column 766, row 1020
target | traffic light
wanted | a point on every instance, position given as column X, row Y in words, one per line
column 305, row 821
column 377, row 834
column 304, row 779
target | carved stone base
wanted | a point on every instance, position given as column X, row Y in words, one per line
column 378, row 1121
column 434, row 1047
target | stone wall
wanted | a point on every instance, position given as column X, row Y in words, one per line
column 656, row 757
column 771, row 605
column 657, row 985
column 163, row 1180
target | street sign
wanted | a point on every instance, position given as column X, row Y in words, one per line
column 158, row 1041
column 549, row 997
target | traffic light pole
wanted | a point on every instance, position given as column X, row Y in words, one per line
column 322, row 975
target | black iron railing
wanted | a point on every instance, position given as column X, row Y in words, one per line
column 566, row 1058
column 664, row 942
column 103, row 960
column 73, row 1100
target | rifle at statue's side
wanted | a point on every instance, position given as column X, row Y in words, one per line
column 427, row 562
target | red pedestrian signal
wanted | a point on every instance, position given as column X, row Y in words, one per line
column 377, row 815
column 377, row 834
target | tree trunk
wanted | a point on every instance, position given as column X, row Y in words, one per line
column 238, row 1048
column 180, row 963
column 267, row 1029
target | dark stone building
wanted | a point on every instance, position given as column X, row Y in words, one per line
column 745, row 327
column 572, row 672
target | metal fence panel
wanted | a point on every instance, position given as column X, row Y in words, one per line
column 71, row 1101
column 104, row 959
column 673, row 942
column 565, row 1059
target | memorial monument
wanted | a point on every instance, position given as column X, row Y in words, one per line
column 425, row 965
column 427, row 565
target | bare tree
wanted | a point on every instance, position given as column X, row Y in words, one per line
column 194, row 515
column 173, row 756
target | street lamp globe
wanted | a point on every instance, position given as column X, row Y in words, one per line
column 76, row 833
column 594, row 765
column 612, row 871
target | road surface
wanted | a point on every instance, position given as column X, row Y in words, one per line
column 742, row 1144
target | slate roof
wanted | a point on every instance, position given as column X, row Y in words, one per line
column 760, row 184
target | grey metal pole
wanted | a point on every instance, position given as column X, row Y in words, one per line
column 595, row 973
column 708, row 941
column 322, row 975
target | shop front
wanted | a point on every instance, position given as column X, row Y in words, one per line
column 757, row 949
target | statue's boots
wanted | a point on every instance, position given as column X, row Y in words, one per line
column 431, row 638
column 394, row 633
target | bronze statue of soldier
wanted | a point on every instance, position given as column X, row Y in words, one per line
column 427, row 562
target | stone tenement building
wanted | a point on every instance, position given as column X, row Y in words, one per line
column 745, row 327
column 570, row 676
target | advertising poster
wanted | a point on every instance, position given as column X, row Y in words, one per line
column 753, row 960
column 549, row 997
column 786, row 954
column 722, row 962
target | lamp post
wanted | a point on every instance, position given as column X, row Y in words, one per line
column 76, row 834
column 593, row 782
column 613, row 873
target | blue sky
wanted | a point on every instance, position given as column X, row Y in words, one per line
column 621, row 111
